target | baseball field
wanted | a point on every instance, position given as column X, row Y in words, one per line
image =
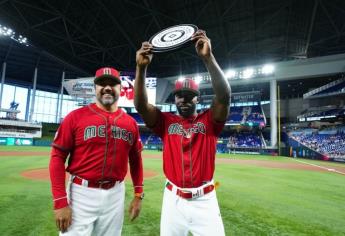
column 258, row 195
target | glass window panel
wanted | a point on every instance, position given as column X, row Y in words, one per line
column 21, row 97
column 7, row 96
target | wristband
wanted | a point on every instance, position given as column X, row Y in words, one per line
column 139, row 195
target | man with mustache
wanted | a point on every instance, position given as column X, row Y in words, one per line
column 99, row 140
column 189, row 145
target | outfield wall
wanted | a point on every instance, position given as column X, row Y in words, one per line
column 11, row 141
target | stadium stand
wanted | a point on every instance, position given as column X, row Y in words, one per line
column 18, row 132
column 236, row 115
column 256, row 116
column 144, row 138
column 14, row 131
column 137, row 118
column 329, row 89
column 329, row 142
column 239, row 117
column 247, row 115
column 154, row 140
column 245, row 140
column 321, row 113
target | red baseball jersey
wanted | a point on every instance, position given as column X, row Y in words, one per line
column 100, row 144
column 189, row 147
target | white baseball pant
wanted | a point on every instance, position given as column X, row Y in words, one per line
column 96, row 211
column 200, row 216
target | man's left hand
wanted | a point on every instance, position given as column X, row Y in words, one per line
column 202, row 44
column 134, row 208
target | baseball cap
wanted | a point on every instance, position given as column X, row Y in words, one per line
column 188, row 85
column 107, row 72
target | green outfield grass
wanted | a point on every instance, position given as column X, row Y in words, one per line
column 253, row 200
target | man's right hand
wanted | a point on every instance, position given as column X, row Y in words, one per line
column 144, row 55
column 63, row 218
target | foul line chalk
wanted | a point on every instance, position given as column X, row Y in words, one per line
column 322, row 167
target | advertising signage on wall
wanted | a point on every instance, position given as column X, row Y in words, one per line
column 23, row 142
column 9, row 141
column 15, row 134
column 3, row 141
column 243, row 97
column 246, row 97
column 84, row 88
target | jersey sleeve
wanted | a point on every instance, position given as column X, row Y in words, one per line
column 217, row 126
column 135, row 162
column 61, row 147
column 64, row 137
column 57, row 177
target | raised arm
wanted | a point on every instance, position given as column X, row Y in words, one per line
column 221, row 87
column 147, row 111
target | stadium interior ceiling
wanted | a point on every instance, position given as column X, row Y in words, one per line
column 80, row 36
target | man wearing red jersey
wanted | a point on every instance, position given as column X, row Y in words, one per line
column 189, row 145
column 99, row 141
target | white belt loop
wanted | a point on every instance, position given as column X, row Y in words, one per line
column 174, row 188
column 68, row 187
column 84, row 182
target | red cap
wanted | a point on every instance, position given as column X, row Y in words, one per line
column 186, row 85
column 107, row 72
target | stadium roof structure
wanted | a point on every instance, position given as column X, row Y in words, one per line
column 80, row 36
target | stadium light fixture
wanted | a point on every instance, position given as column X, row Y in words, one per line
column 230, row 74
column 8, row 32
column 198, row 79
column 267, row 69
column 4, row 31
column 248, row 73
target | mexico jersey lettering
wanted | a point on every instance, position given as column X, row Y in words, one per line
column 176, row 128
column 99, row 142
column 189, row 147
column 99, row 131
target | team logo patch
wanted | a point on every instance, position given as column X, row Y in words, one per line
column 107, row 71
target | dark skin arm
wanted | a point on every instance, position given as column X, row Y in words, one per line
column 134, row 208
column 136, row 170
column 63, row 218
column 147, row 111
column 221, row 87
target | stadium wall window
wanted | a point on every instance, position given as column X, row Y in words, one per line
column 15, row 93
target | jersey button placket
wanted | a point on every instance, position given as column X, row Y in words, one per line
column 186, row 155
column 113, row 146
column 190, row 153
column 109, row 145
